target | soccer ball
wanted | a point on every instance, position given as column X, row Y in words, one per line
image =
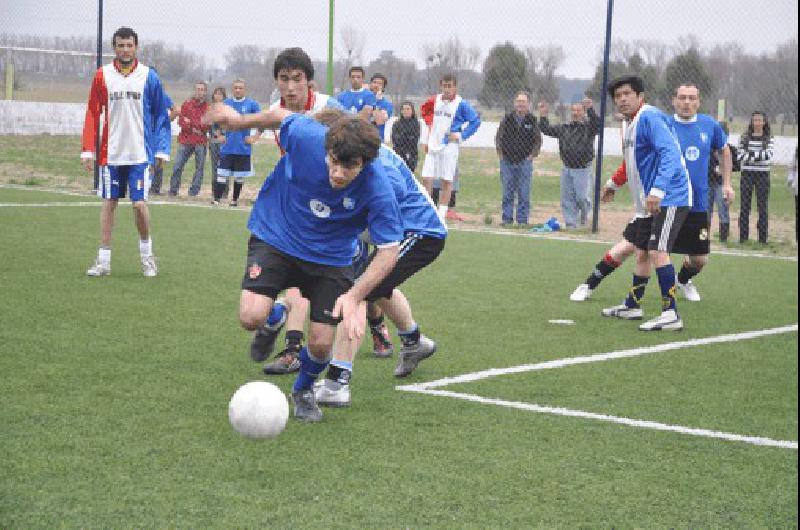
column 258, row 410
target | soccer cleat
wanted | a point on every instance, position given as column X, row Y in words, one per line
column 381, row 341
column 215, row 202
column 667, row 320
column 100, row 268
column 286, row 362
column 624, row 312
column 411, row 355
column 330, row 393
column 263, row 343
column 149, row 268
column 305, row 406
column 581, row 293
column 689, row 291
column 233, row 204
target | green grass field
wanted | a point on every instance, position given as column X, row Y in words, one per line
column 115, row 391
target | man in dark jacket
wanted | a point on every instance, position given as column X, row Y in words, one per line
column 518, row 141
column 576, row 148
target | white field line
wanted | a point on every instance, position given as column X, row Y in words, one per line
column 571, row 361
column 643, row 424
column 428, row 388
column 507, row 233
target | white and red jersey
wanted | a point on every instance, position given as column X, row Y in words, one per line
column 315, row 102
column 445, row 116
column 136, row 126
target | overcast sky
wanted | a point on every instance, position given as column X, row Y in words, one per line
column 211, row 27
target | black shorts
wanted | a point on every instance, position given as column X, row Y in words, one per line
column 236, row 166
column 269, row 271
column 693, row 238
column 637, row 232
column 658, row 232
column 416, row 253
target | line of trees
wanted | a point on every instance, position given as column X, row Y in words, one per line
column 747, row 81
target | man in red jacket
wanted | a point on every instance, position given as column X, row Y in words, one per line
column 192, row 139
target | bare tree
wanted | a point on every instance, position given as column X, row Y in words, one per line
column 543, row 62
column 350, row 48
column 450, row 55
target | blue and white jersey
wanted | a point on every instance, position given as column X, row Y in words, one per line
column 698, row 136
column 355, row 100
column 653, row 160
column 299, row 213
column 234, row 140
column 417, row 210
column 384, row 104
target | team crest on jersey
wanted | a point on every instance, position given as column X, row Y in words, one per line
column 348, row 203
column 319, row 208
column 692, row 153
column 254, row 271
column 704, row 234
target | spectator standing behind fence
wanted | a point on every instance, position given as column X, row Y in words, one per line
column 359, row 99
column 216, row 137
column 405, row 135
column 517, row 141
column 451, row 120
column 383, row 107
column 158, row 169
column 716, row 195
column 235, row 154
column 192, row 140
column 576, row 148
column 755, row 154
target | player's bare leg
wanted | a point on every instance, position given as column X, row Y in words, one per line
column 621, row 251
column 692, row 265
column 290, row 310
column 102, row 264
column 141, row 215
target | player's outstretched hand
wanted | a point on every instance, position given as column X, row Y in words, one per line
column 729, row 194
column 222, row 114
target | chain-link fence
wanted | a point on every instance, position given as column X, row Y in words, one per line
column 741, row 58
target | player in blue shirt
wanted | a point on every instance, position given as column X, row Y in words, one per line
column 358, row 100
column 698, row 135
column 383, row 107
column 656, row 174
column 325, row 191
column 236, row 153
column 424, row 239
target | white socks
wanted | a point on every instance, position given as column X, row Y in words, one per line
column 443, row 210
column 146, row 248
column 104, row 255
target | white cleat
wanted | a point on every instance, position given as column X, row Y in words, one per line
column 667, row 320
column 331, row 393
column 100, row 268
column 624, row 312
column 149, row 268
column 689, row 291
column 581, row 293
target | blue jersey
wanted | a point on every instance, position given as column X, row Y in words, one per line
column 299, row 213
column 384, row 104
column 234, row 140
column 653, row 161
column 354, row 100
column 417, row 210
column 698, row 136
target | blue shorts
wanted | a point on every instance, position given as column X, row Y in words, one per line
column 116, row 181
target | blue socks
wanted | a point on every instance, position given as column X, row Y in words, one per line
column 310, row 368
column 275, row 316
column 666, row 280
column 635, row 295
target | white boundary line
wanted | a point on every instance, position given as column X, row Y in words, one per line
column 478, row 230
column 428, row 388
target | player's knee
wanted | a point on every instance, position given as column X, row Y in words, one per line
column 698, row 262
column 251, row 320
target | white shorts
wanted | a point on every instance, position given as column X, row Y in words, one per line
column 444, row 162
column 427, row 166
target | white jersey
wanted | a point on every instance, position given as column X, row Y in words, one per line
column 443, row 112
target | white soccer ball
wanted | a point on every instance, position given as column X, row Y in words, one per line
column 258, row 410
